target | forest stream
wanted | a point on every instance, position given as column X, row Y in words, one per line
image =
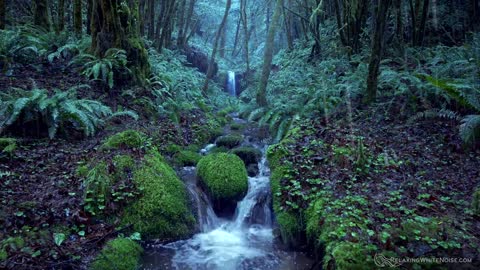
column 246, row 241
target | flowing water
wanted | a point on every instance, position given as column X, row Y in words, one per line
column 244, row 243
column 231, row 84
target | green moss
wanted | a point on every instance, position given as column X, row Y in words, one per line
column 82, row 171
column 348, row 255
column 172, row 148
column 229, row 141
column 217, row 149
column 275, row 153
column 476, row 202
column 3, row 255
column 187, row 158
column 161, row 212
column 249, row 155
column 123, row 164
column 8, row 146
column 237, row 126
column 127, row 139
column 224, row 176
column 118, row 254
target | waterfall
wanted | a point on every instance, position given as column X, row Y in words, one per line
column 244, row 243
column 231, row 84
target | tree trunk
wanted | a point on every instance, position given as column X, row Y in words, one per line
column 246, row 36
column 377, row 48
column 288, row 27
column 181, row 23
column 77, row 17
column 151, row 19
column 116, row 26
column 223, row 40
column 215, row 46
column 89, row 16
column 61, row 16
column 2, row 14
column 268, row 56
column 40, row 16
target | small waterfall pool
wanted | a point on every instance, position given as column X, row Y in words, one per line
column 246, row 242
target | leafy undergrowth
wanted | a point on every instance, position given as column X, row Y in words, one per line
column 44, row 221
column 377, row 185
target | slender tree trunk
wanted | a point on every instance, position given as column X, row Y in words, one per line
column 188, row 22
column 89, row 16
column 377, row 48
column 77, row 17
column 151, row 19
column 2, row 14
column 215, row 46
column 181, row 23
column 288, row 27
column 268, row 56
column 61, row 16
column 223, row 40
column 246, row 36
column 40, row 16
column 117, row 26
column 423, row 22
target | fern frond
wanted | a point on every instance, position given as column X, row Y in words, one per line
column 470, row 128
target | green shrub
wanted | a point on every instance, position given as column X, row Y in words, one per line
column 97, row 189
column 23, row 107
column 187, row 158
column 229, row 141
column 162, row 210
column 8, row 146
column 224, row 176
column 118, row 254
column 128, row 138
column 249, row 155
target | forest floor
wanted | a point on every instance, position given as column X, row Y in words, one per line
column 394, row 172
column 41, row 192
column 406, row 167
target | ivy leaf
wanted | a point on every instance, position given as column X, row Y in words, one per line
column 58, row 238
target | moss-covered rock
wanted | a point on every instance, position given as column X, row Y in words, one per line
column 249, row 155
column 225, row 179
column 237, row 126
column 348, row 255
column 126, row 139
column 187, row 158
column 224, row 176
column 118, row 254
column 161, row 211
column 7, row 146
column 229, row 141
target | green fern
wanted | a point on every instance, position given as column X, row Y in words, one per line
column 55, row 112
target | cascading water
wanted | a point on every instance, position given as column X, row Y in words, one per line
column 244, row 243
column 231, row 84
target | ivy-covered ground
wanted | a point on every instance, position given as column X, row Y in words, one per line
column 376, row 183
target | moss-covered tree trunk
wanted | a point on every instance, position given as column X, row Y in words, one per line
column 2, row 14
column 77, row 17
column 115, row 24
column 268, row 56
column 40, row 15
column 215, row 46
column 246, row 36
column 377, row 48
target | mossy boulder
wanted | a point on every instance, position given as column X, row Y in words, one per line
column 162, row 210
column 7, row 146
column 349, row 255
column 229, row 141
column 225, row 179
column 126, row 139
column 237, row 126
column 187, row 158
column 118, row 254
column 249, row 155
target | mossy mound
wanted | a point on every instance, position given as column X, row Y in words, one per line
column 126, row 139
column 7, row 146
column 229, row 141
column 161, row 211
column 118, row 254
column 249, row 155
column 237, row 126
column 224, row 177
column 187, row 158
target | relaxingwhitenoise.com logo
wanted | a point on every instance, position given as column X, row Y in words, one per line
column 384, row 261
